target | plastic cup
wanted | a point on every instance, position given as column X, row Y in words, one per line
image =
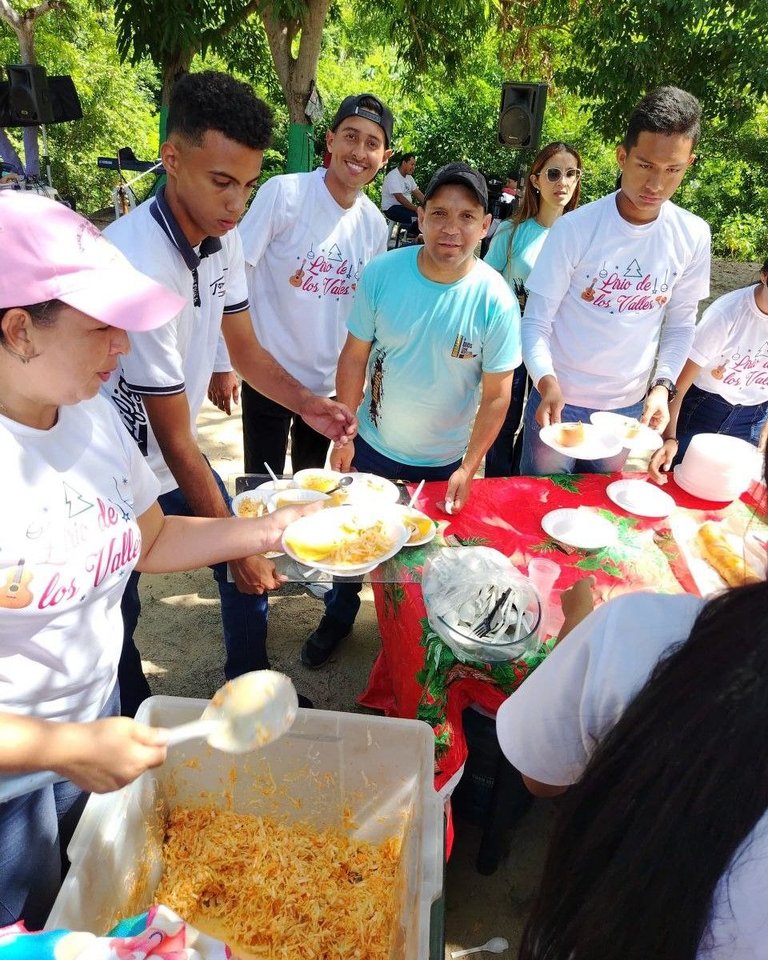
column 543, row 574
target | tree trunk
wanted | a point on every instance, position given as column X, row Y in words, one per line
column 297, row 74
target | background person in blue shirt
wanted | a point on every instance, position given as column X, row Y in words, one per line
column 431, row 328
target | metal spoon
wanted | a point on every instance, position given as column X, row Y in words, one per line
column 344, row 482
column 494, row 945
column 246, row 713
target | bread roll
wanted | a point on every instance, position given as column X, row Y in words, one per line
column 716, row 550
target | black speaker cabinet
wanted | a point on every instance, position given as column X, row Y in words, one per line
column 521, row 114
column 29, row 100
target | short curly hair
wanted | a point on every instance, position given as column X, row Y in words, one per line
column 210, row 100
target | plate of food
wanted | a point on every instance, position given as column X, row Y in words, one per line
column 640, row 497
column 367, row 486
column 317, row 478
column 250, row 504
column 345, row 541
column 632, row 434
column 582, row 528
column 584, row 441
column 718, row 554
column 421, row 528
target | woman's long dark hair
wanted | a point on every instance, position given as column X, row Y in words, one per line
column 529, row 205
column 665, row 802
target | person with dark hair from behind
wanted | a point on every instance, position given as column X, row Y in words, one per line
column 398, row 191
column 613, row 296
column 554, row 189
column 652, row 715
column 306, row 238
column 185, row 238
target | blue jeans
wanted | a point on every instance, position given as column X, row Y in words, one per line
column 35, row 830
column 539, row 460
column 243, row 617
column 500, row 458
column 342, row 601
column 704, row 412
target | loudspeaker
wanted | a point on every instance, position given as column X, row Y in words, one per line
column 29, row 101
column 65, row 103
column 521, row 114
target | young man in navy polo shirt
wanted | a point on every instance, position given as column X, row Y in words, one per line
column 185, row 238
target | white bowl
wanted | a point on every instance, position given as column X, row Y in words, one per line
column 293, row 496
column 317, row 478
column 255, row 497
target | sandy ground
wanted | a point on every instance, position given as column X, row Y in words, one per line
column 181, row 642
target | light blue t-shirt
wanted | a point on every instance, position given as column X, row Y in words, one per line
column 431, row 344
column 527, row 242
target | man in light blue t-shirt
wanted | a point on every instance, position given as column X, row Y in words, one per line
column 431, row 331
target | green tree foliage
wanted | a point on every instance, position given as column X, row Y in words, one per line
column 118, row 101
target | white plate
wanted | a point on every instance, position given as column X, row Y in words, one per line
column 618, row 425
column 582, row 528
column 366, row 487
column 641, row 498
column 331, row 526
column 402, row 512
column 294, row 497
column 596, row 446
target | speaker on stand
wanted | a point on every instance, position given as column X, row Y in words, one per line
column 521, row 115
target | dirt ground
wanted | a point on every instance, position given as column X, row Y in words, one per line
column 181, row 643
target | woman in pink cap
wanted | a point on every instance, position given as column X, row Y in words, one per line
column 77, row 515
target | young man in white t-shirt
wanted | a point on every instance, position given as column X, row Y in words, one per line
column 185, row 237
column 306, row 238
column 398, row 192
column 613, row 296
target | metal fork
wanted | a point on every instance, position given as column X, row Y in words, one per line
column 484, row 627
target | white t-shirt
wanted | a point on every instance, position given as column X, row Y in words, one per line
column 69, row 543
column 605, row 294
column 731, row 345
column 551, row 725
column 179, row 356
column 304, row 254
column 395, row 182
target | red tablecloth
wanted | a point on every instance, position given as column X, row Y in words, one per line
column 417, row 675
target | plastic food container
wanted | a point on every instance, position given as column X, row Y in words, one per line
column 373, row 775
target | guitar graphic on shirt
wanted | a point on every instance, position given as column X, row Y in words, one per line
column 296, row 279
column 14, row 592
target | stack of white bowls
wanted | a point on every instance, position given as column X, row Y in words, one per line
column 717, row 467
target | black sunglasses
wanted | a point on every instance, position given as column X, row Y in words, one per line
column 554, row 174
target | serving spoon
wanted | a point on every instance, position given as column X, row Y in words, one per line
column 247, row 713
column 343, row 482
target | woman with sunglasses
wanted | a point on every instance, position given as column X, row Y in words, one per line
column 723, row 387
column 554, row 186
column 78, row 514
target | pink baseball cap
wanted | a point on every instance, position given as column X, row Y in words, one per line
column 49, row 252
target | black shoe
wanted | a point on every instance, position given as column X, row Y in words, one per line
column 319, row 645
column 305, row 702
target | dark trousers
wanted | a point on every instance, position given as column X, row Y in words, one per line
column 503, row 456
column 342, row 601
column 704, row 412
column 266, row 427
column 403, row 215
column 243, row 618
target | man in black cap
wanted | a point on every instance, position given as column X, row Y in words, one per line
column 306, row 239
column 430, row 327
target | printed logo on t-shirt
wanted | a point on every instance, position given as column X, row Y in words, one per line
column 377, row 386
column 80, row 541
column 132, row 412
column 743, row 370
column 326, row 273
column 462, row 348
column 627, row 289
